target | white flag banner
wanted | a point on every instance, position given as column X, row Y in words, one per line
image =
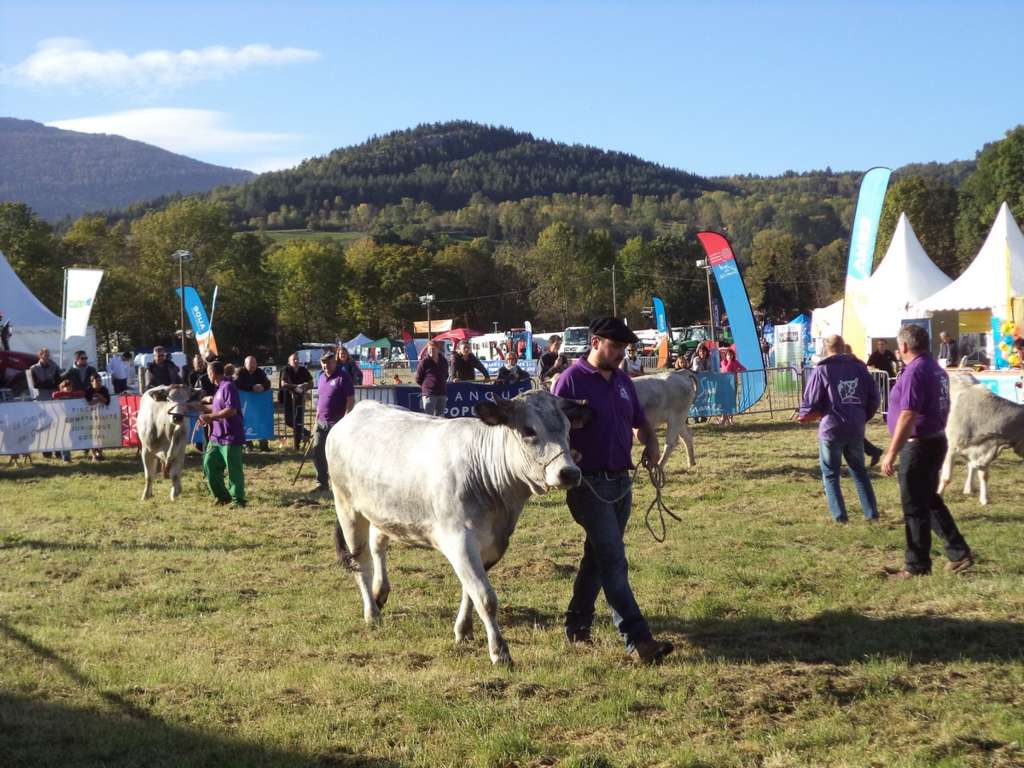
column 81, row 292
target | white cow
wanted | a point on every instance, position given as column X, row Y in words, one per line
column 457, row 485
column 162, row 424
column 980, row 425
column 666, row 398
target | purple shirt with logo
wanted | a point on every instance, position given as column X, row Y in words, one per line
column 923, row 388
column 842, row 390
column 229, row 431
column 606, row 441
column 332, row 392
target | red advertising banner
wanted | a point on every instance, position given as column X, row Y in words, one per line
column 129, row 412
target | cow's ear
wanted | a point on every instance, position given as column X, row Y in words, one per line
column 494, row 413
column 578, row 412
column 158, row 393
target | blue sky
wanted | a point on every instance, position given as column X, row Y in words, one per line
column 714, row 88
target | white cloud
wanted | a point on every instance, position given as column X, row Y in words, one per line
column 192, row 132
column 70, row 61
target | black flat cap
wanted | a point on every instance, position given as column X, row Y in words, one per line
column 614, row 329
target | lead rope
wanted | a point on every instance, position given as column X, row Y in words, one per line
column 657, row 475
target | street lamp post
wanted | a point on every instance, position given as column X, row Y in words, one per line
column 703, row 264
column 615, row 301
column 426, row 300
column 182, row 256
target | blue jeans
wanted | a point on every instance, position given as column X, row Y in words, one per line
column 831, row 453
column 604, row 566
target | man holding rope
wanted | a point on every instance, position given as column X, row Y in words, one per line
column 602, row 503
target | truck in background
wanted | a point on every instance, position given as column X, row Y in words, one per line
column 575, row 341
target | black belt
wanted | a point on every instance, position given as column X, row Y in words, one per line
column 932, row 436
column 608, row 474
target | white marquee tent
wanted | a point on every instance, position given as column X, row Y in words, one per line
column 904, row 277
column 996, row 273
column 33, row 325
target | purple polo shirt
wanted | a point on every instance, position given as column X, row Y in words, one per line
column 605, row 442
column 229, row 431
column 331, row 395
column 843, row 392
column 923, row 388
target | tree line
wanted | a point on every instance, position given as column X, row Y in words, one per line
column 549, row 259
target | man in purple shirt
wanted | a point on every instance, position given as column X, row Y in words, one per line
column 226, row 439
column 843, row 395
column 918, row 409
column 335, row 397
column 432, row 376
column 601, row 504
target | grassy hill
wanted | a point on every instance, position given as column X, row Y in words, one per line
column 66, row 173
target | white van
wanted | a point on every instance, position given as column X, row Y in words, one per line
column 575, row 341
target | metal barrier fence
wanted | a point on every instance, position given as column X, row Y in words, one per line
column 783, row 391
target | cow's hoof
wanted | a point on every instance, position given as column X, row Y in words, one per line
column 372, row 619
column 381, row 597
column 464, row 638
column 502, row 658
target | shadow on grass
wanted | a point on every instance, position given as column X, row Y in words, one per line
column 844, row 637
column 14, row 542
column 782, row 424
column 44, row 733
column 787, row 470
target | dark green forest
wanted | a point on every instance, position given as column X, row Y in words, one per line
column 499, row 227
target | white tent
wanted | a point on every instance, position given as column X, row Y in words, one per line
column 33, row 325
column 996, row 273
column 904, row 277
column 826, row 321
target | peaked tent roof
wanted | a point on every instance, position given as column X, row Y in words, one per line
column 904, row 277
column 18, row 304
column 989, row 281
column 357, row 341
column 827, row 320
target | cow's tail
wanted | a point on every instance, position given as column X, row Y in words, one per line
column 345, row 558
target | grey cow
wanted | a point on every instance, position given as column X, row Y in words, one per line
column 457, row 485
column 666, row 398
column 162, row 425
column 980, row 425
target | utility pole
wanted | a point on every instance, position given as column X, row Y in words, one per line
column 426, row 300
column 615, row 301
column 703, row 264
column 182, row 256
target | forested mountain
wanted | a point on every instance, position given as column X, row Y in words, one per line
column 66, row 173
column 445, row 165
column 548, row 256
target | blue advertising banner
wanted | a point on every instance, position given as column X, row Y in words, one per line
column 664, row 332
column 717, row 394
column 737, row 307
column 862, row 250
column 197, row 317
column 257, row 414
column 462, row 396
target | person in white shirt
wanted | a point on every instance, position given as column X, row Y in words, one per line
column 631, row 363
column 120, row 369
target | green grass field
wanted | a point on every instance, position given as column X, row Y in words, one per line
column 180, row 634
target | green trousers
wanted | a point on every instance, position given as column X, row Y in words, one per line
column 216, row 458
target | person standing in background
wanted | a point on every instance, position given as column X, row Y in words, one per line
column 120, row 369
column 336, row 396
column 295, row 381
column 432, row 376
column 252, row 378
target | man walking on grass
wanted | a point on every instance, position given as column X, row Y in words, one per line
column 918, row 410
column 602, row 503
column 336, row 396
column 227, row 437
column 843, row 395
